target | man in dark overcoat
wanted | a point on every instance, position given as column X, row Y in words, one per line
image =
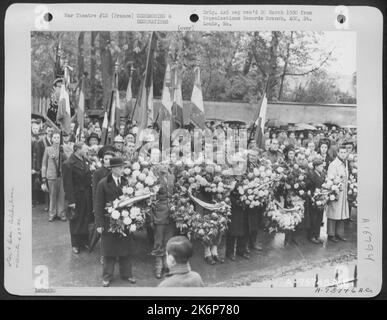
column 113, row 245
column 236, row 233
column 102, row 172
column 315, row 179
column 77, row 187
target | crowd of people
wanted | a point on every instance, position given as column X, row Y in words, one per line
column 74, row 177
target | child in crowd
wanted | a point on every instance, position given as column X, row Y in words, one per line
column 179, row 251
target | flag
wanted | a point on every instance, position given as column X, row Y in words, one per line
column 63, row 116
column 81, row 107
column 177, row 108
column 165, row 110
column 129, row 98
column 259, row 123
column 144, row 115
column 197, row 112
column 117, row 109
column 104, row 132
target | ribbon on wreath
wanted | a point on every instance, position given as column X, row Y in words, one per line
column 205, row 205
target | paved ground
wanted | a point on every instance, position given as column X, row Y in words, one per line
column 51, row 247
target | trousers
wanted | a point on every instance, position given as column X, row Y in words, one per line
column 162, row 233
column 57, row 198
column 79, row 240
column 125, row 265
column 335, row 227
column 316, row 217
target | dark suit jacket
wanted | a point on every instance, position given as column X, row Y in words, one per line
column 113, row 244
column 77, row 187
column 98, row 175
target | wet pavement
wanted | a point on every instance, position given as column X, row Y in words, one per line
column 51, row 247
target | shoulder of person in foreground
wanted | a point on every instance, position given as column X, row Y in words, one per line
column 190, row 279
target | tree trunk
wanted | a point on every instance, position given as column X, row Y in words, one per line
column 106, row 66
column 93, row 69
column 274, row 43
column 81, row 60
column 285, row 66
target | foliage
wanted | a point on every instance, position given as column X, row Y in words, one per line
column 234, row 65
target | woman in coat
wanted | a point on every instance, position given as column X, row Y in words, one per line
column 78, row 195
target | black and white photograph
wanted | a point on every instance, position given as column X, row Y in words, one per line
column 193, row 151
column 194, row 158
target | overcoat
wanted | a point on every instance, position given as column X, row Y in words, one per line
column 98, row 175
column 112, row 244
column 236, row 227
column 313, row 181
column 77, row 187
column 339, row 210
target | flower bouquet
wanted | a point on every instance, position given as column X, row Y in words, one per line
column 182, row 212
column 294, row 183
column 141, row 180
column 256, row 186
column 284, row 220
column 207, row 228
column 352, row 190
column 332, row 186
column 328, row 192
column 124, row 220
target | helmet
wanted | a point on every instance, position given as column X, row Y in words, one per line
column 118, row 139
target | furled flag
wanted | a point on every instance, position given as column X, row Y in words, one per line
column 165, row 110
column 105, row 125
column 63, row 116
column 115, row 107
column 259, row 123
column 144, row 116
column 197, row 111
column 177, row 108
column 81, row 107
column 129, row 98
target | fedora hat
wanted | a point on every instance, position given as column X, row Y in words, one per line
column 116, row 162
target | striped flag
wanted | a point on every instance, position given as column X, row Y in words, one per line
column 63, row 116
column 129, row 98
column 81, row 107
column 259, row 123
column 105, row 125
column 165, row 111
column 177, row 108
column 197, row 112
column 144, row 116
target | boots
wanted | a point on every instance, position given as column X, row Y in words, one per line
column 165, row 265
column 158, row 267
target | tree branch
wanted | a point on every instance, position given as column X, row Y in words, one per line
column 313, row 69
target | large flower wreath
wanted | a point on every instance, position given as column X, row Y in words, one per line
column 192, row 181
